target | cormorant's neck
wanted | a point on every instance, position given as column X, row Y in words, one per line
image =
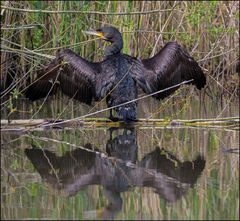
column 115, row 47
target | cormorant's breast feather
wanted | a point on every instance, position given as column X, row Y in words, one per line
column 170, row 66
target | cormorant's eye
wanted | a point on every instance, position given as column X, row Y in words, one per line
column 110, row 37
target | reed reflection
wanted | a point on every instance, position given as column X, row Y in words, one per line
column 118, row 170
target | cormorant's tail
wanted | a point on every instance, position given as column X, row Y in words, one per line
column 128, row 112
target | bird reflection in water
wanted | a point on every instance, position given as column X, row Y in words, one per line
column 117, row 171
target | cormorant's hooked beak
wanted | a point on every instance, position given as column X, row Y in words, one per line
column 96, row 33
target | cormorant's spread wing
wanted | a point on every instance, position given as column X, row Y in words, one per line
column 171, row 66
column 74, row 75
column 100, row 77
column 78, row 76
column 46, row 83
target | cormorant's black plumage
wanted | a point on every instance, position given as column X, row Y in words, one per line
column 117, row 76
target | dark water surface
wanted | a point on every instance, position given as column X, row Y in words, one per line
column 124, row 173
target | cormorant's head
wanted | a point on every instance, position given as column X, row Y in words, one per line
column 110, row 34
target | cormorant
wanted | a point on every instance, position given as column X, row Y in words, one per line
column 118, row 75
